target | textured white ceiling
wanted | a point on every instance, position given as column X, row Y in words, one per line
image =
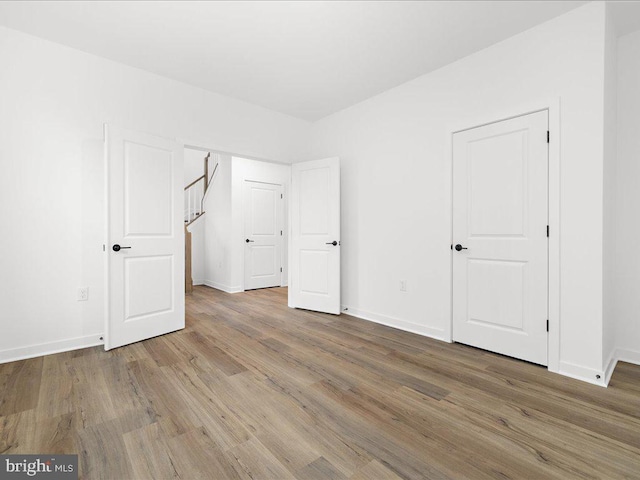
column 305, row 59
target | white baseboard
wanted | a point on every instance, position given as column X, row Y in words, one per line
column 437, row 333
column 610, row 366
column 198, row 281
column 585, row 374
column 628, row 355
column 31, row 351
column 621, row 355
column 578, row 372
column 224, row 288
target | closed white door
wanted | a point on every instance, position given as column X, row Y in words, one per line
column 145, row 249
column 500, row 245
column 263, row 214
column 315, row 236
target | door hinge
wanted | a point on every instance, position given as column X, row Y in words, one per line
column 548, row 134
column 547, row 325
column 547, row 231
column 280, row 269
column 280, row 232
column 281, row 196
column 104, row 248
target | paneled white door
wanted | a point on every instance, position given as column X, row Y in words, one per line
column 263, row 219
column 145, row 249
column 315, row 236
column 500, row 244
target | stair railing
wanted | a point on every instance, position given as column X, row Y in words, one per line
column 195, row 193
column 193, row 200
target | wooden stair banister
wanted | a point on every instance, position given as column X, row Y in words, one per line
column 188, row 279
column 206, row 172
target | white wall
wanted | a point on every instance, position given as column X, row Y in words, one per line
column 627, row 281
column 193, row 165
column 198, row 252
column 611, row 199
column 396, row 185
column 55, row 101
column 217, row 221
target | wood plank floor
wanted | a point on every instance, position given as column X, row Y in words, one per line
column 254, row 390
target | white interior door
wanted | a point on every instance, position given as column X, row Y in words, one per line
column 145, row 249
column 263, row 215
column 500, row 247
column 315, row 236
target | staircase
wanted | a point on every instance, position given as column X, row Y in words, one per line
column 194, row 196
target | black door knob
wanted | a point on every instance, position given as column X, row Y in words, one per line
column 460, row 247
column 247, row 240
column 334, row 243
column 117, row 248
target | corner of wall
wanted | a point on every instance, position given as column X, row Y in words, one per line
column 611, row 200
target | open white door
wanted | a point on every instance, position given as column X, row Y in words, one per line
column 263, row 205
column 315, row 236
column 145, row 237
column 500, row 247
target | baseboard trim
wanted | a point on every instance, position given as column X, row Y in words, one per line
column 567, row 369
column 620, row 355
column 31, row 351
column 628, row 356
column 438, row 334
column 224, row 288
column 585, row 374
column 198, row 282
column 610, row 366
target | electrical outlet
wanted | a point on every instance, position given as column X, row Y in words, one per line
column 83, row 294
column 403, row 285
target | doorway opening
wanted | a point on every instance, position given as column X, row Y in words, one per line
column 237, row 223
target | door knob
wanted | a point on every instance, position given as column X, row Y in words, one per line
column 117, row 248
column 334, row 243
column 247, row 240
column 460, row 247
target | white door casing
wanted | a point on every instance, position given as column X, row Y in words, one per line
column 500, row 218
column 145, row 277
column 263, row 233
column 315, row 236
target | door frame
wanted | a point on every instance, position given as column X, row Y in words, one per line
column 281, row 226
column 233, row 151
column 552, row 106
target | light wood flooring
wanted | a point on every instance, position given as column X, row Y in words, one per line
column 254, row 390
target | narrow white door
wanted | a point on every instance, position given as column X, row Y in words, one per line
column 500, row 248
column 315, row 236
column 145, row 235
column 263, row 212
